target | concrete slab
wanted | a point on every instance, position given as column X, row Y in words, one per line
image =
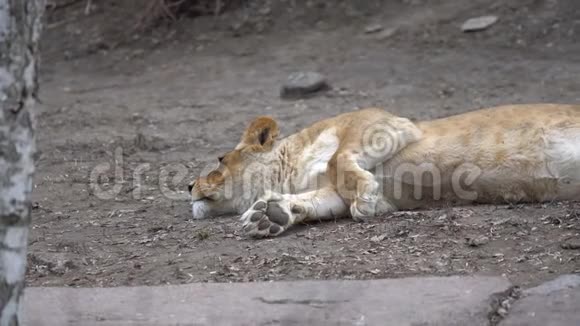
column 555, row 303
column 400, row 302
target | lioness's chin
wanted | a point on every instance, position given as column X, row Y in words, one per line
column 200, row 209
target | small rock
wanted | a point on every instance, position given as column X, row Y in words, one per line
column 303, row 84
column 379, row 238
column 374, row 28
column 387, row 33
column 478, row 24
column 571, row 245
column 477, row 241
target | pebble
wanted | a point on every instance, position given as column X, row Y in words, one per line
column 477, row 241
column 385, row 34
column 378, row 238
column 374, row 28
column 303, row 84
column 478, row 23
column 571, row 245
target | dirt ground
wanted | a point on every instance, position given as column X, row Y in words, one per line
column 179, row 95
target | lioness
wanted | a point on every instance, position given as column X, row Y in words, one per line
column 370, row 162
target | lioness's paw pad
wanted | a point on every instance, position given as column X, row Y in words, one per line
column 266, row 218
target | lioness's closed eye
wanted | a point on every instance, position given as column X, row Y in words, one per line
column 370, row 162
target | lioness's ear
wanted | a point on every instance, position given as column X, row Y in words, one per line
column 260, row 135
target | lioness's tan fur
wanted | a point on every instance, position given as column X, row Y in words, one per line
column 370, row 162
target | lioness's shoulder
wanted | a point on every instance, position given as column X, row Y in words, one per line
column 360, row 127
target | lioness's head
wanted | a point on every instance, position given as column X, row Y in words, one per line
column 237, row 179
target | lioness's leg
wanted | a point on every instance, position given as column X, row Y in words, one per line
column 275, row 213
column 357, row 185
column 350, row 169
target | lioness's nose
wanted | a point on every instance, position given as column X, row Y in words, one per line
column 190, row 187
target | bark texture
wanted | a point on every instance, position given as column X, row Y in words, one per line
column 20, row 27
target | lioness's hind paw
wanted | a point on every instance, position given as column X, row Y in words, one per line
column 266, row 218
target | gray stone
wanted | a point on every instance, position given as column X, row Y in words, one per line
column 477, row 241
column 555, row 303
column 374, row 28
column 402, row 302
column 479, row 23
column 303, row 84
column 387, row 33
column 572, row 244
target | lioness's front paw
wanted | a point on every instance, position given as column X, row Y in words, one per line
column 267, row 217
column 365, row 203
column 360, row 209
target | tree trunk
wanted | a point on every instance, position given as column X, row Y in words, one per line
column 20, row 27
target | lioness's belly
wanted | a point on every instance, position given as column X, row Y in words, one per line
column 531, row 155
